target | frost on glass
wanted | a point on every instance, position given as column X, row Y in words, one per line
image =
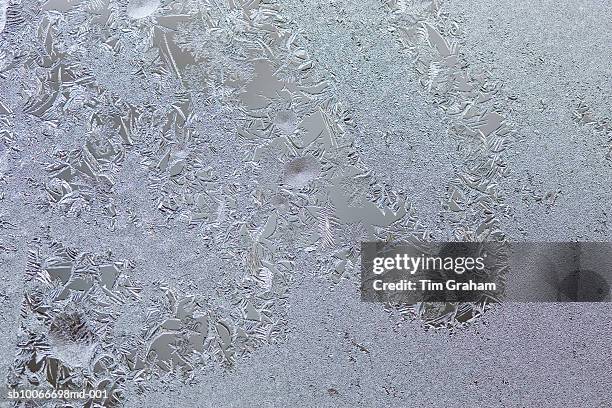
column 583, row 115
column 72, row 301
column 216, row 114
column 474, row 200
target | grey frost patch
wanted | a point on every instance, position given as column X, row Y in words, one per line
column 142, row 8
column 301, row 171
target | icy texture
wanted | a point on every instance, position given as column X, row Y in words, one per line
column 241, row 147
column 556, row 62
column 181, row 160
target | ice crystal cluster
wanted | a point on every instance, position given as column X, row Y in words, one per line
column 183, row 157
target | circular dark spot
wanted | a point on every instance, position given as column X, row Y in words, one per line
column 301, row 171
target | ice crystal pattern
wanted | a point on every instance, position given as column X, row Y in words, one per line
column 241, row 144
